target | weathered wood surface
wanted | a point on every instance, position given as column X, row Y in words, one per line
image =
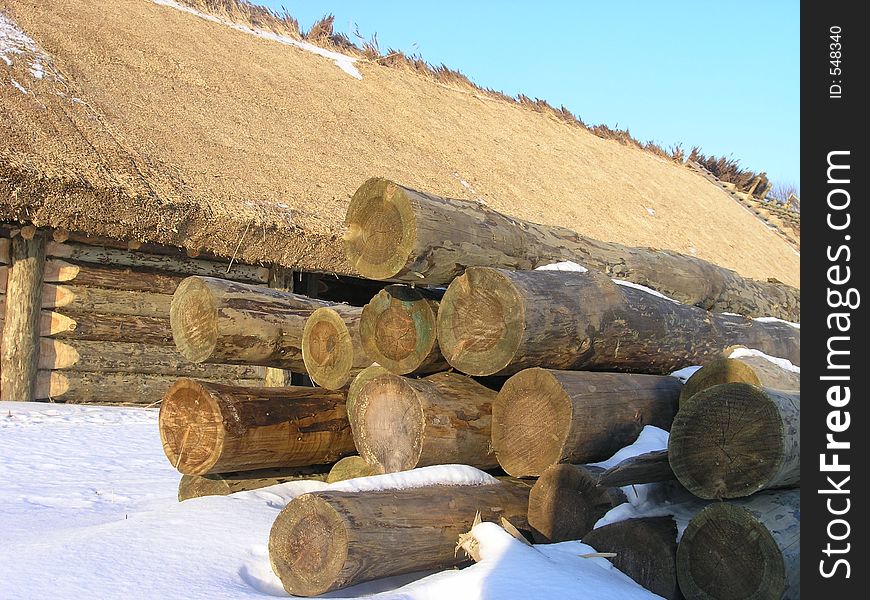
column 112, row 277
column 542, row 417
column 351, row 467
column 79, row 298
column 331, row 346
column 224, row 484
column 396, row 233
column 97, row 327
column 497, row 322
column 5, row 256
column 19, row 343
column 397, row 328
column 646, row 551
column 220, row 321
column 401, row 423
column 51, row 323
column 643, row 468
column 330, row 540
column 754, row 370
column 747, row 548
column 213, row 428
column 734, row 439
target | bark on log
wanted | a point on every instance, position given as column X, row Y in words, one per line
column 397, row 233
column 734, row 439
column 224, row 484
column 746, row 369
column 497, row 322
column 646, row 551
column 219, row 321
column 330, row 540
column 79, row 298
column 331, row 346
column 741, row 549
column 213, row 428
column 19, row 344
column 542, row 417
column 397, row 328
column 97, row 327
column 351, row 467
column 112, row 277
column 401, row 423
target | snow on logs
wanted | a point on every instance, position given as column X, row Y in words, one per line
column 542, row 417
column 734, row 439
column 332, row 539
column 212, row 428
column 331, row 346
column 754, row 370
column 498, row 322
column 400, row 234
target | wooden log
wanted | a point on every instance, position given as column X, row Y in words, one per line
column 4, row 277
column 566, row 502
column 50, row 323
column 646, row 551
column 542, row 417
column 220, row 321
column 98, row 327
column 79, row 298
column 19, row 344
column 497, row 322
column 330, row 540
column 754, row 370
column 224, row 484
column 747, row 548
column 400, row 234
column 397, row 328
column 651, row 467
column 351, row 467
column 5, row 256
column 402, row 423
column 178, row 264
column 331, row 346
column 361, row 378
column 734, row 439
column 111, row 276
column 214, row 428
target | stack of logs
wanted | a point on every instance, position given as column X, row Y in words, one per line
column 531, row 375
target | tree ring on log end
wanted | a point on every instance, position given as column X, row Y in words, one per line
column 565, row 503
column 531, row 419
column 191, row 428
column 391, row 423
column 481, row 322
column 193, row 319
column 726, row 554
column 327, row 349
column 727, row 441
column 721, row 370
column 381, row 229
column 397, row 328
column 308, row 546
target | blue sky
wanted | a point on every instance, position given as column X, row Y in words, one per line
column 723, row 76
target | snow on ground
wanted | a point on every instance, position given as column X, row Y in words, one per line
column 88, row 508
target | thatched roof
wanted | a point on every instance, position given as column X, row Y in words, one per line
column 156, row 124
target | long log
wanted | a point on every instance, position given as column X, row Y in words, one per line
column 401, row 423
column 646, row 551
column 746, row 548
column 754, row 370
column 19, row 344
column 351, row 467
column 215, row 320
column 331, row 346
column 542, row 417
column 224, row 484
column 497, row 322
column 117, row 277
column 99, row 327
column 734, row 439
column 330, row 540
column 213, row 428
column 397, row 328
column 79, row 298
column 400, row 234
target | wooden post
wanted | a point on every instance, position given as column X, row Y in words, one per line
column 754, row 370
column 224, row 484
column 19, row 351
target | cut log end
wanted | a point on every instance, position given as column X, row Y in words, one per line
column 726, row 441
column 390, row 434
column 191, row 428
column 480, row 322
column 308, row 547
column 381, row 229
column 327, row 349
column 351, row 467
column 193, row 319
column 726, row 554
column 722, row 370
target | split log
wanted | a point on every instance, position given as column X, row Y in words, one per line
column 542, row 417
column 224, row 484
column 97, row 327
column 401, row 423
column 351, row 467
column 497, row 322
column 754, row 370
column 331, row 346
column 734, row 439
column 646, row 551
column 400, row 234
column 220, row 321
column 112, row 277
column 214, row 428
column 746, row 548
column 79, row 298
column 397, row 328
column 50, row 323
column 330, row 540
